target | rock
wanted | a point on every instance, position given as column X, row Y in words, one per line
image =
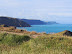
column 68, row 33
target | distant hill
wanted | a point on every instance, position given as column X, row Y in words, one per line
column 51, row 22
column 34, row 22
column 38, row 22
column 13, row 22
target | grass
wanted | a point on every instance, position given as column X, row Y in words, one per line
column 23, row 44
column 12, row 39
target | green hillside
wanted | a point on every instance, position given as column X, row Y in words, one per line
column 13, row 22
column 24, row 44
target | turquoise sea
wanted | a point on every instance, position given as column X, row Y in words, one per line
column 48, row 28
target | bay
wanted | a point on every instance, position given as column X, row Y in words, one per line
column 55, row 28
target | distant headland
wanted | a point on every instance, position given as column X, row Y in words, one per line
column 38, row 22
column 9, row 21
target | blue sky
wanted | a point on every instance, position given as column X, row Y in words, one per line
column 46, row 10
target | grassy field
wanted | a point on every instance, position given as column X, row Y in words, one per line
column 23, row 44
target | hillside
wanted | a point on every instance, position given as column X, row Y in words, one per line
column 13, row 22
column 37, row 22
column 15, row 41
column 34, row 22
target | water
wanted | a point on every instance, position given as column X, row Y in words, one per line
column 48, row 28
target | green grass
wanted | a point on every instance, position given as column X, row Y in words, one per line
column 12, row 39
column 16, row 44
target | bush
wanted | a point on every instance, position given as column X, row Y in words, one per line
column 19, row 31
column 33, row 33
column 2, row 35
column 12, row 28
column 11, row 39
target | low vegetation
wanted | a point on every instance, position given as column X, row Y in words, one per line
column 34, row 43
column 23, row 44
column 12, row 39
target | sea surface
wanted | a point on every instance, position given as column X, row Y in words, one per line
column 55, row 28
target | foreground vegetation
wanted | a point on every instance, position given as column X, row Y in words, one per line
column 24, row 44
column 15, row 41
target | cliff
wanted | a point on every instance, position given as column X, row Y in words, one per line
column 34, row 22
column 38, row 22
column 13, row 22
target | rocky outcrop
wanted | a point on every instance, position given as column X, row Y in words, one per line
column 13, row 22
column 67, row 33
column 64, row 33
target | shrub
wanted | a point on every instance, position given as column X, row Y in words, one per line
column 12, row 39
column 3, row 25
column 33, row 33
column 19, row 31
column 2, row 35
column 12, row 28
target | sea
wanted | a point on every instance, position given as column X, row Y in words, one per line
column 54, row 28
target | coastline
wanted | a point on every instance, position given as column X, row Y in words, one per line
column 56, row 28
column 14, row 30
column 25, row 42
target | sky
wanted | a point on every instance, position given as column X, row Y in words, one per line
column 45, row 10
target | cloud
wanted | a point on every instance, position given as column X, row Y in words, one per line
column 37, row 9
column 61, row 14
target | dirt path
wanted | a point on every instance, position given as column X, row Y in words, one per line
column 11, row 32
column 33, row 36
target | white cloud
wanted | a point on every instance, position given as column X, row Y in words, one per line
column 61, row 14
column 36, row 8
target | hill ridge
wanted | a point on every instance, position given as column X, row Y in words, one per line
column 13, row 22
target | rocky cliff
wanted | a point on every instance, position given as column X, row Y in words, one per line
column 38, row 22
column 13, row 22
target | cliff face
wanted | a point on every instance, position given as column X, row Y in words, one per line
column 38, row 22
column 13, row 22
column 34, row 22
